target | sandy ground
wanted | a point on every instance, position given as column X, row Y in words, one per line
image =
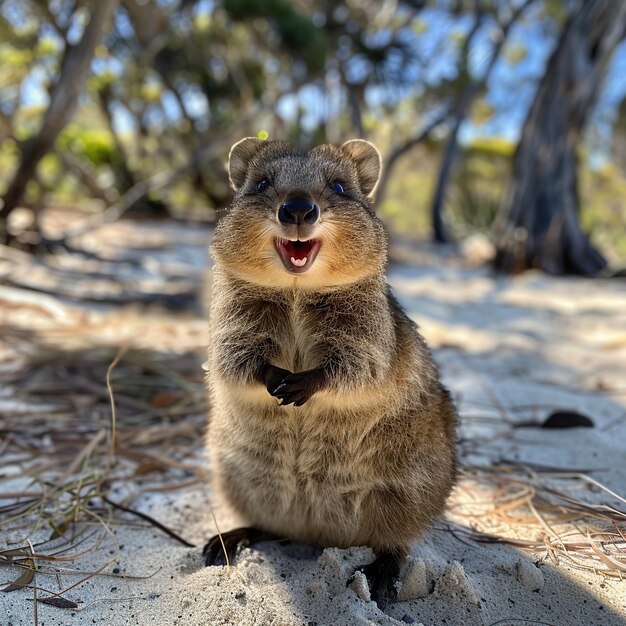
column 511, row 351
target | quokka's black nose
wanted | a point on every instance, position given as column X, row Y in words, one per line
column 299, row 211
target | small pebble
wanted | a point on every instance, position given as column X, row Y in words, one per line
column 454, row 583
column 417, row 580
column 530, row 575
column 360, row 586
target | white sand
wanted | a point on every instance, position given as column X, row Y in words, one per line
column 511, row 351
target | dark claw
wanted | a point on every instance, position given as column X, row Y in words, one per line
column 274, row 377
column 298, row 388
column 382, row 578
column 215, row 552
column 233, row 541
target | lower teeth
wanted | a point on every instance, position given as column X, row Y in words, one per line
column 299, row 262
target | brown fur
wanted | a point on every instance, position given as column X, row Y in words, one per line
column 369, row 458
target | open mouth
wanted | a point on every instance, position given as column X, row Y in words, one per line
column 298, row 256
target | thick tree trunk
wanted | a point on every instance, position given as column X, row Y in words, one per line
column 539, row 225
column 75, row 68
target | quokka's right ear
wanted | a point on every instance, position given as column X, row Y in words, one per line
column 368, row 164
column 239, row 160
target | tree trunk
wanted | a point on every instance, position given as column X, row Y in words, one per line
column 539, row 225
column 75, row 68
column 449, row 154
column 461, row 109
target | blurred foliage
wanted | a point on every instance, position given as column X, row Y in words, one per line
column 478, row 189
column 298, row 35
column 173, row 78
column 96, row 145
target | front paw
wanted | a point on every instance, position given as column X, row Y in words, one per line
column 273, row 377
column 297, row 388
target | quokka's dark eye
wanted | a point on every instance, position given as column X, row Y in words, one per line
column 338, row 187
column 262, row 185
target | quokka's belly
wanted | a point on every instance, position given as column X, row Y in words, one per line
column 301, row 488
column 301, row 510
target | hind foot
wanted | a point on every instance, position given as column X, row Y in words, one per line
column 222, row 549
column 382, row 577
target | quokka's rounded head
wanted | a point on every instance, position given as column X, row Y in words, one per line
column 301, row 219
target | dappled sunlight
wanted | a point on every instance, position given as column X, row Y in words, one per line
column 486, row 139
column 535, row 509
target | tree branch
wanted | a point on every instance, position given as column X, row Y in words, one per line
column 63, row 101
column 399, row 151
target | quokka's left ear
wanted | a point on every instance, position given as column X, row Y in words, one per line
column 239, row 158
column 368, row 163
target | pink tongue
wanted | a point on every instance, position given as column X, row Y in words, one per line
column 298, row 251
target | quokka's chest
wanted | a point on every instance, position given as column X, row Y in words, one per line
column 298, row 336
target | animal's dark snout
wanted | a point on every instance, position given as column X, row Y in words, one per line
column 299, row 211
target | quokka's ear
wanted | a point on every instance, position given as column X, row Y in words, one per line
column 239, row 159
column 368, row 163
